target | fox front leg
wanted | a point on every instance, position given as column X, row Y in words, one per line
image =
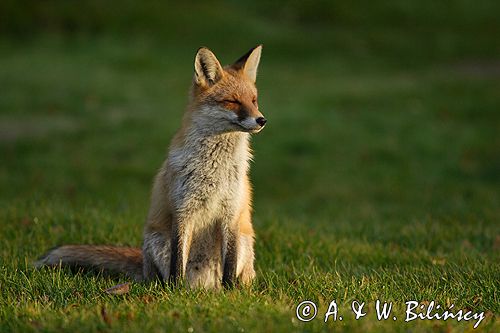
column 175, row 270
column 181, row 243
column 229, row 254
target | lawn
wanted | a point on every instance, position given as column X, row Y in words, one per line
column 377, row 176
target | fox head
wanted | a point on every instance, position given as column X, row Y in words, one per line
column 224, row 99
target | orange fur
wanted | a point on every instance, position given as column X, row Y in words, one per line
column 199, row 223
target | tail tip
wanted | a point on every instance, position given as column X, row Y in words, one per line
column 45, row 259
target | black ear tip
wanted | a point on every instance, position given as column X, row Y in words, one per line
column 256, row 47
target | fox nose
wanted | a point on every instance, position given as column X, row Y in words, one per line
column 261, row 121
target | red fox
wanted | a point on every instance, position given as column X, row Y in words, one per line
column 198, row 228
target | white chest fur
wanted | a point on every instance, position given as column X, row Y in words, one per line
column 209, row 175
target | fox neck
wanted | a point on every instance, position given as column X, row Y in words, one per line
column 203, row 145
column 218, row 148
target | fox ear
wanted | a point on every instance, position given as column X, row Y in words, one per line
column 249, row 62
column 207, row 69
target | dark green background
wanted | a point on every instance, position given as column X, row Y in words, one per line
column 376, row 177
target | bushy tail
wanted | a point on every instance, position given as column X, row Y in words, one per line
column 108, row 259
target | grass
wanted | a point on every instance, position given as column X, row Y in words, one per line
column 377, row 177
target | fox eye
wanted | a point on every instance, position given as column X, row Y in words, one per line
column 254, row 101
column 232, row 102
